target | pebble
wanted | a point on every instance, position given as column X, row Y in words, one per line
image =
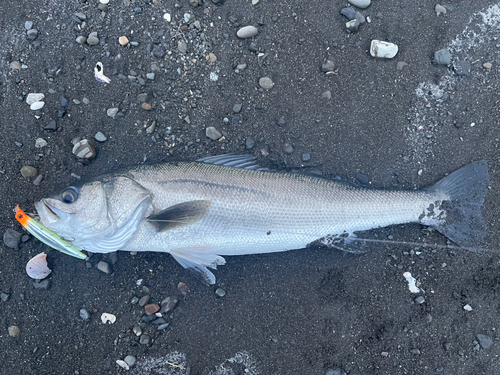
column 100, row 137
column 281, row 121
column 161, row 327
column 28, row 25
column 462, row 68
column 333, row 372
column 29, row 171
column 144, row 300
column 467, row 307
column 111, row 112
column 84, row 314
column 38, row 180
column 50, row 126
column 36, row 106
column 122, row 364
column 40, row 142
column 130, row 359
column 103, row 267
column 146, row 106
column 123, row 40
column 134, row 300
column 485, row 341
column 150, row 76
column 442, row 57
column 420, row 300
column 167, row 17
column 487, row 65
column 400, row 65
column 220, row 292
column 237, row 108
column 4, row 297
column 360, row 3
column 137, row 330
column 151, row 308
column 84, row 150
column 213, row 133
column 34, row 97
column 327, row 66
column 104, row 1
column 44, row 284
column 168, row 304
column 92, row 40
column 107, row 317
column 182, row 47
column 15, row 65
column 288, row 148
column 306, row 157
column 327, row 94
column 383, row 49
column 85, row 101
column 214, row 77
column 362, row 178
column 12, row 238
column 349, row 13
column 64, row 101
column 439, row 9
column 212, row 57
column 241, row 67
column 352, row 25
column 145, row 339
column 32, row 34
column 14, row 331
column 247, row 32
column 266, row 83
column 249, row 143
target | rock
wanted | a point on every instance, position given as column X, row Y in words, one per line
column 194, row 3
column 44, row 284
column 150, row 76
column 104, row 1
column 349, row 13
column 145, row 340
column 28, row 25
column 182, row 47
column 123, row 40
column 352, row 25
column 360, row 18
column 64, row 102
column 400, row 65
column 51, row 126
column 130, row 360
column 213, row 133
column 327, row 66
column 485, row 341
column 122, row 364
column 333, row 372
column 327, row 95
column 237, row 108
column 15, row 65
column 306, row 157
column 383, row 49
column 12, row 238
column 439, row 9
column 84, row 314
column 32, row 34
column 212, row 57
column 249, row 143
column 151, row 308
column 36, row 106
column 360, row 3
column 111, row 112
column 81, row 16
column 29, row 171
column 487, row 65
column 161, row 327
column 362, row 178
column 81, row 39
column 247, row 32
column 40, row 142
column 4, row 297
column 103, row 267
column 220, row 292
column 158, row 51
column 84, row 150
column 100, row 137
column 168, row 304
column 266, row 83
column 419, row 300
column 14, row 331
column 38, row 180
column 34, row 97
column 462, row 68
column 442, row 57
column 144, row 300
column 92, row 40
column 288, row 148
column 146, row 106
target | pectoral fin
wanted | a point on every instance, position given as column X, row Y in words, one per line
column 179, row 215
column 198, row 259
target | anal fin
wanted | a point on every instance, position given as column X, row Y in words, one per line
column 198, row 259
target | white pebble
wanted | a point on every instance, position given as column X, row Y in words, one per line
column 122, row 364
column 247, row 32
column 439, row 9
column 360, row 3
column 384, row 50
column 34, row 97
column 412, row 283
column 214, row 77
column 467, row 307
column 104, row 1
column 167, row 17
column 37, row 105
column 40, row 142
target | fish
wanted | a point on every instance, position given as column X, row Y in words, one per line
column 228, row 205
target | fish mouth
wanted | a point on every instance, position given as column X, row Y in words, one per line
column 48, row 213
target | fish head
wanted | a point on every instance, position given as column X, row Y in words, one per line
column 99, row 216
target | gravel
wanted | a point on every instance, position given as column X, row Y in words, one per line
column 12, row 238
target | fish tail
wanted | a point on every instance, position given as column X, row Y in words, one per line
column 462, row 220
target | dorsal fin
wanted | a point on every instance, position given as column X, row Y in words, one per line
column 179, row 215
column 233, row 160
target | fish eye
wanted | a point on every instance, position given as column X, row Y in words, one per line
column 69, row 195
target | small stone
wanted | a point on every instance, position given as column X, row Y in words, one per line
column 29, row 171
column 151, row 128
column 84, row 314
column 241, row 67
column 44, row 284
column 442, row 57
column 266, row 83
column 220, row 292
column 122, row 364
column 213, row 133
column 327, row 66
column 28, row 25
column 360, row 18
column 161, row 327
column 485, row 341
column 194, row 3
column 281, row 121
column 419, row 300
column 462, row 68
column 349, row 13
column 158, row 51
column 333, row 372
column 144, row 300
column 32, row 34
column 142, row 97
column 415, row 351
column 80, row 16
column 168, row 304
column 288, row 148
column 64, row 102
column 400, row 65
column 352, row 25
column 4, row 297
column 145, row 340
column 85, row 101
column 237, row 108
column 306, row 157
column 134, row 300
column 327, row 94
column 14, row 331
column 362, row 178
column 111, row 112
column 182, row 47
column 146, row 106
column 12, row 238
column 247, row 32
column 92, row 40
column 103, row 267
column 34, row 97
column 104, row 1
column 487, row 65
column 383, row 49
column 123, row 40
column 51, row 126
column 249, row 143
column 84, row 150
column 100, row 137
column 360, row 3
column 38, row 180
column 36, row 106
column 212, row 57
column 15, row 65
column 439, row 9
column 150, row 76
column 137, row 331
column 167, row 17
column 130, row 360
column 40, row 142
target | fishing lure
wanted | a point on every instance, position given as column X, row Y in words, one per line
column 47, row 236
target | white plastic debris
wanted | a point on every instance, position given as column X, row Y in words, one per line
column 384, row 50
column 467, row 307
column 99, row 75
column 105, row 318
column 412, row 283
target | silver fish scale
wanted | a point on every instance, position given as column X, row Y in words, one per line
column 259, row 212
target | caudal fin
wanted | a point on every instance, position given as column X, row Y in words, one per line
column 463, row 222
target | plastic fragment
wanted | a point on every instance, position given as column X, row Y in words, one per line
column 98, row 73
column 105, row 318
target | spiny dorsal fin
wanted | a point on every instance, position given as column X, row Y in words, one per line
column 179, row 215
column 235, row 161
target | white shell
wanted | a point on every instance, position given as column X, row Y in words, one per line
column 34, row 97
column 383, row 50
column 37, row 267
column 105, row 317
